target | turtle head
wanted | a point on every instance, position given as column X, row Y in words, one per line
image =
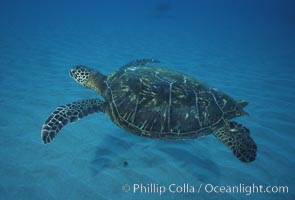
column 81, row 74
column 88, row 77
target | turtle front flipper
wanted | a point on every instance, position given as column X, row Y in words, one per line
column 238, row 139
column 68, row 113
column 140, row 62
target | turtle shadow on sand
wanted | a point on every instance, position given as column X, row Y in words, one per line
column 117, row 152
column 172, row 157
column 184, row 156
column 110, row 155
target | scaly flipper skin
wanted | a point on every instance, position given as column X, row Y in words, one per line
column 68, row 113
column 238, row 139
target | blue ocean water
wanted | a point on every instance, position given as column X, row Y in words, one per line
column 244, row 48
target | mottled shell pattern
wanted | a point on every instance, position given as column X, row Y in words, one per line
column 160, row 103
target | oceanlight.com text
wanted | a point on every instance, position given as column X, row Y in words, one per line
column 208, row 188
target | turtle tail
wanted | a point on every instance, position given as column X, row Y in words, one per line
column 68, row 113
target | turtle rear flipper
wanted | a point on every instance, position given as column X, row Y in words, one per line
column 68, row 113
column 238, row 139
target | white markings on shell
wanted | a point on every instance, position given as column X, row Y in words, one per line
column 132, row 68
column 184, row 79
column 186, row 116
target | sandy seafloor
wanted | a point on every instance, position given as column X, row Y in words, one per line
column 244, row 49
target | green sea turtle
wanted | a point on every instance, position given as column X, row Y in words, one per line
column 158, row 103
